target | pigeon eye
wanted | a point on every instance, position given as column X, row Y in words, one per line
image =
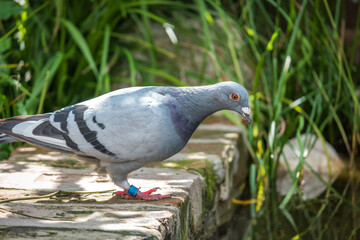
column 234, row 97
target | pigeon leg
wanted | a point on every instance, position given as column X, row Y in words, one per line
column 142, row 195
column 118, row 193
column 126, row 193
column 150, row 191
column 118, row 173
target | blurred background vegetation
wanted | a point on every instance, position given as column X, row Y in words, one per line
column 299, row 59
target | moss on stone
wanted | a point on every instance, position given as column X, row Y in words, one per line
column 184, row 219
column 209, row 176
column 202, row 166
column 3, row 232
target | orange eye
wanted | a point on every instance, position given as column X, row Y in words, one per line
column 235, row 96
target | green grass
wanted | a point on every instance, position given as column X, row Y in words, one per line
column 291, row 56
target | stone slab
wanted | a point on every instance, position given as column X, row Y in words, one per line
column 140, row 220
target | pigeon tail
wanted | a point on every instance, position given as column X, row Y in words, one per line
column 6, row 139
column 34, row 129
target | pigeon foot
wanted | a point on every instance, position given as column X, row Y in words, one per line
column 147, row 195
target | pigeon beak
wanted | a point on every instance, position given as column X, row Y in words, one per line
column 246, row 114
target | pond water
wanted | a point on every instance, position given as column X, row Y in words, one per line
column 336, row 216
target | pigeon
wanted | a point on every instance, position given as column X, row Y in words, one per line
column 125, row 129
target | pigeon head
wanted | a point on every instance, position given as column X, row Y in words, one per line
column 234, row 97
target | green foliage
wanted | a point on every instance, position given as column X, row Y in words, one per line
column 305, row 82
column 9, row 8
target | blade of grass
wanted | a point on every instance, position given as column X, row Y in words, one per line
column 101, row 86
column 43, row 93
column 334, row 113
column 144, row 44
column 148, row 14
column 294, row 185
column 131, row 65
column 51, row 68
column 205, row 18
column 252, row 183
column 290, row 219
column 146, row 29
column 164, row 75
column 80, row 41
column 282, row 80
column 230, row 42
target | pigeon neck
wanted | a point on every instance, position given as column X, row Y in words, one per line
column 190, row 106
column 200, row 102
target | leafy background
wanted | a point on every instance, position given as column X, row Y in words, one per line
column 298, row 59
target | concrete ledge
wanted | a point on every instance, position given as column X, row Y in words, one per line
column 202, row 179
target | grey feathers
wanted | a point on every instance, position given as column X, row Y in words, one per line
column 6, row 139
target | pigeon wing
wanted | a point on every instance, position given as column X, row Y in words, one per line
column 73, row 122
